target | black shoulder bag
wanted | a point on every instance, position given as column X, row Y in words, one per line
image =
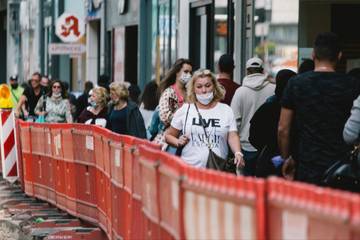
column 214, row 161
column 179, row 149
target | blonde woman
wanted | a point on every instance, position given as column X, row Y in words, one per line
column 124, row 115
column 96, row 113
column 205, row 122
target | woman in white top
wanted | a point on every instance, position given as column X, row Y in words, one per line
column 205, row 93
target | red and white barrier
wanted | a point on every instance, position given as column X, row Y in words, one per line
column 8, row 145
column 132, row 190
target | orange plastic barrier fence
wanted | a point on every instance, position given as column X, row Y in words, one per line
column 302, row 211
column 132, row 190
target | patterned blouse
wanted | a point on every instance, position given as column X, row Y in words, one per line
column 58, row 110
column 168, row 104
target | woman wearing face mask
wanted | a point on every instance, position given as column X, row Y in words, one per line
column 96, row 113
column 173, row 92
column 124, row 115
column 204, row 94
column 55, row 106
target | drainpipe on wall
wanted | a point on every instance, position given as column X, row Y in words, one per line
column 102, row 38
column 13, row 39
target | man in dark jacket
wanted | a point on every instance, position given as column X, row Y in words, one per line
column 264, row 127
column 135, row 121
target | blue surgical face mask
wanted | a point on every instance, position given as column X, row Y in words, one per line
column 93, row 104
column 206, row 98
column 185, row 77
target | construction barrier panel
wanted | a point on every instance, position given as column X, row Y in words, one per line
column 132, row 190
column 302, row 211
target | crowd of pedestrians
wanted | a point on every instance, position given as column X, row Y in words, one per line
column 299, row 126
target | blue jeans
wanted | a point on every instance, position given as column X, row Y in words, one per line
column 250, row 162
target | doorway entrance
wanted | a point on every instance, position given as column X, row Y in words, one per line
column 131, row 54
column 340, row 17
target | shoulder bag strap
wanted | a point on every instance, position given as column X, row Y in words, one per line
column 187, row 113
column 44, row 103
column 202, row 124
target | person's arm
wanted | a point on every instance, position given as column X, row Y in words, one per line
column 68, row 115
column 165, row 109
column 39, row 107
column 173, row 139
column 234, row 143
column 352, row 127
column 20, row 106
column 140, row 125
column 236, row 107
column 286, row 119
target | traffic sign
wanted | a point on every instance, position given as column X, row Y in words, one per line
column 69, row 27
column 66, row 48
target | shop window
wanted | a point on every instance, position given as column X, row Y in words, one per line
column 276, row 33
column 214, row 20
column 224, row 29
column 202, row 45
column 164, row 36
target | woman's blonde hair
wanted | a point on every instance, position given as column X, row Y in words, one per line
column 102, row 95
column 120, row 90
column 219, row 91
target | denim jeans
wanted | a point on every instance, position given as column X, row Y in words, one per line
column 250, row 162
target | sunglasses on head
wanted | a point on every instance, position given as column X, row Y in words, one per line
column 203, row 72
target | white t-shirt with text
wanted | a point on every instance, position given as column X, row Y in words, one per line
column 219, row 121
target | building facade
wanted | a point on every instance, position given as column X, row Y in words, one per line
column 138, row 41
column 3, row 41
column 122, row 34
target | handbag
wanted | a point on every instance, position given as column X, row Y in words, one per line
column 214, row 161
column 344, row 175
column 264, row 165
column 179, row 149
column 40, row 119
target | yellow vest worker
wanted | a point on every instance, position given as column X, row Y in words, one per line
column 5, row 97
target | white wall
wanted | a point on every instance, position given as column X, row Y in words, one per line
column 183, row 33
column 92, row 42
column 76, row 7
column 285, row 11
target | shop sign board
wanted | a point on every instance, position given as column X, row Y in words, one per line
column 66, row 48
column 69, row 28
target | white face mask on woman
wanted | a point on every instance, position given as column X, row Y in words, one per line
column 93, row 104
column 206, row 98
column 56, row 95
column 185, row 77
